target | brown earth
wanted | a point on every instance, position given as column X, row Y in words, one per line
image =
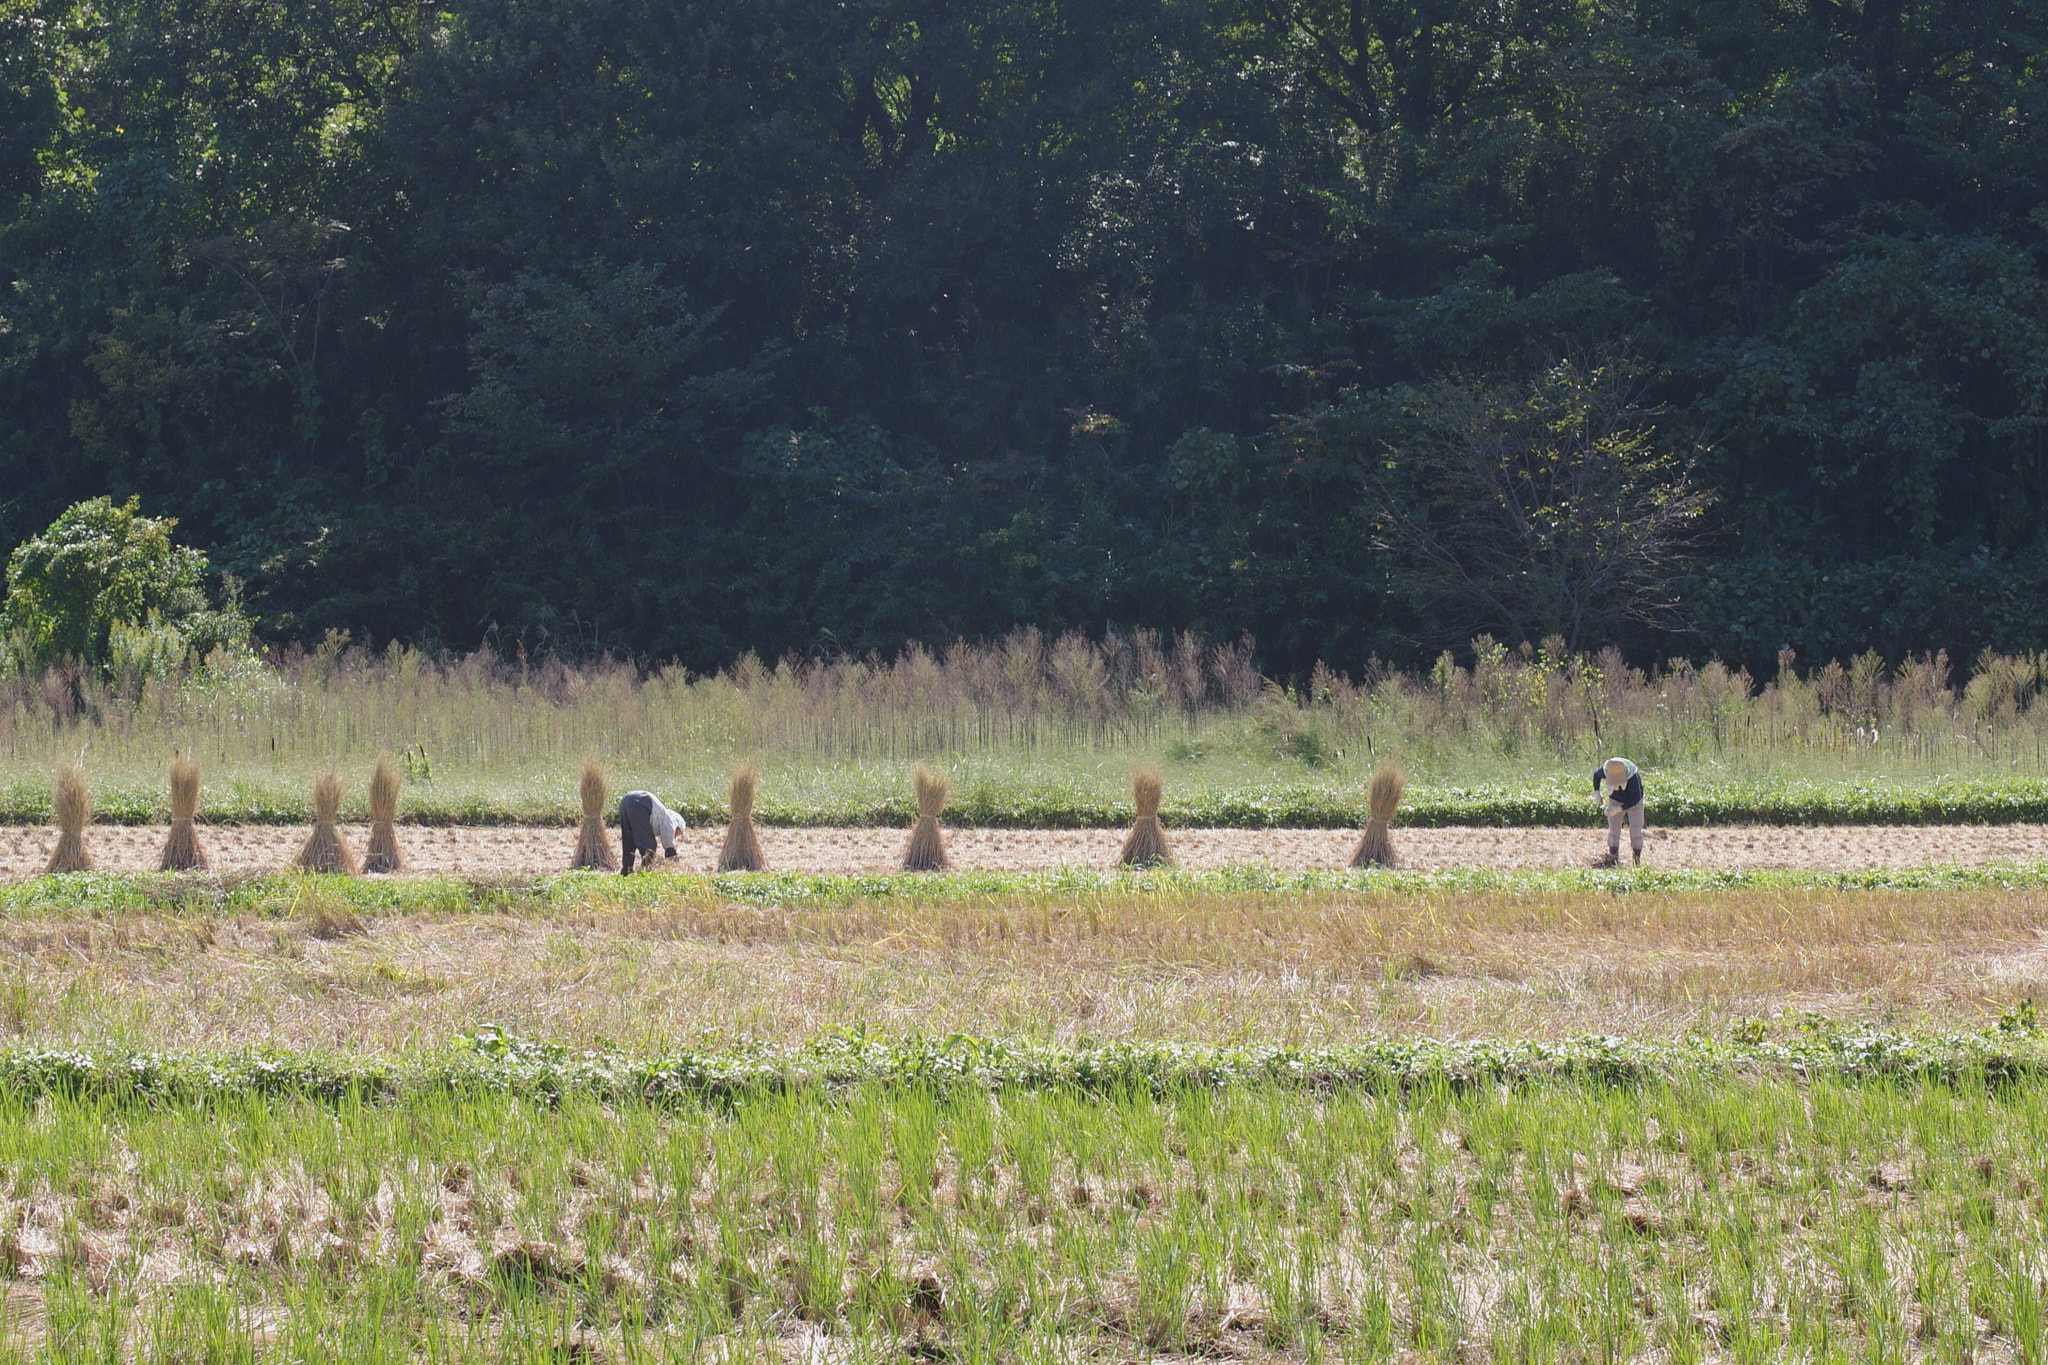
column 474, row 850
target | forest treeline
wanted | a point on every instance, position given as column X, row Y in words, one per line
column 682, row 329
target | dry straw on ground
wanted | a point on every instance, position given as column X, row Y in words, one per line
column 1311, row 970
column 1146, row 846
column 382, row 854
column 593, row 849
column 927, row 850
column 182, row 852
column 71, row 804
column 325, row 851
column 741, row 851
column 1382, row 799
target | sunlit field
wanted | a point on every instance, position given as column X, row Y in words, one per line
column 768, row 1118
column 1773, row 1096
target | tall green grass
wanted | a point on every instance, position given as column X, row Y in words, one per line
column 1045, row 732
column 1693, row 1220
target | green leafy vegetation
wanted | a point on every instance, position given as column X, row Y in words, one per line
column 107, row 588
column 492, row 1061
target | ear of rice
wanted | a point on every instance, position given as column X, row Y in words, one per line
column 927, row 850
column 382, row 854
column 325, row 850
column 71, row 806
column 1146, row 846
column 742, row 849
column 182, row 852
column 593, row 849
column 1382, row 799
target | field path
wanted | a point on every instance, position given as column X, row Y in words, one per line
column 478, row 850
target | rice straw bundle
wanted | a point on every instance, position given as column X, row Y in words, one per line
column 383, row 854
column 182, row 852
column 1146, row 846
column 742, row 849
column 324, row 850
column 593, row 850
column 927, row 851
column 1382, row 799
column 71, row 804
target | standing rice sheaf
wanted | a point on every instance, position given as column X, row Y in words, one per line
column 71, row 805
column 325, row 850
column 382, row 854
column 741, row 851
column 182, row 852
column 927, row 850
column 593, row 850
column 1146, row 845
column 1382, row 799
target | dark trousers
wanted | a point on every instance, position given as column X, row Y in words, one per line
column 636, row 829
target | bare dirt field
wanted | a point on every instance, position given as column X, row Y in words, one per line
column 464, row 850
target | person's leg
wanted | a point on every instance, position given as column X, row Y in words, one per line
column 625, row 848
column 1635, row 830
column 1614, row 834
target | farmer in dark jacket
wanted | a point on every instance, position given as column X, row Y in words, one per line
column 1624, row 784
column 643, row 821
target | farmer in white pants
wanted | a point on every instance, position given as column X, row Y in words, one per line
column 1624, row 784
column 643, row 820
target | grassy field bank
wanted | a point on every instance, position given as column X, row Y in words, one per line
column 989, row 798
column 1045, row 733
column 1692, row 1220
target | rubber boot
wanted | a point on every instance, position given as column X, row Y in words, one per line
column 1611, row 858
column 1639, row 857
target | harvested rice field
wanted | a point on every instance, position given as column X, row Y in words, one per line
column 1492, row 1107
column 309, row 970
column 1129, row 1120
column 481, row 851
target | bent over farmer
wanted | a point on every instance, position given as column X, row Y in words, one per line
column 1624, row 783
column 642, row 820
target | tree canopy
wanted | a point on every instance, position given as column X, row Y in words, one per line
column 681, row 329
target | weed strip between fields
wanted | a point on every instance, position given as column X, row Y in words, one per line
column 284, row 894
column 493, row 1061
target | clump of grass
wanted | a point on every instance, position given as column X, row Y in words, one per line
column 593, row 849
column 325, row 849
column 382, row 854
column 1146, row 845
column 182, row 852
column 71, row 805
column 326, row 916
column 741, row 851
column 1382, row 799
column 927, row 849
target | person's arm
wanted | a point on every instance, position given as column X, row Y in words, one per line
column 670, row 823
column 1599, row 776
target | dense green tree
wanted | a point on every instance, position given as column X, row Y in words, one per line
column 680, row 329
column 99, row 569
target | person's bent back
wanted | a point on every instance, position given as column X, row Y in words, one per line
column 1624, row 783
column 642, row 821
